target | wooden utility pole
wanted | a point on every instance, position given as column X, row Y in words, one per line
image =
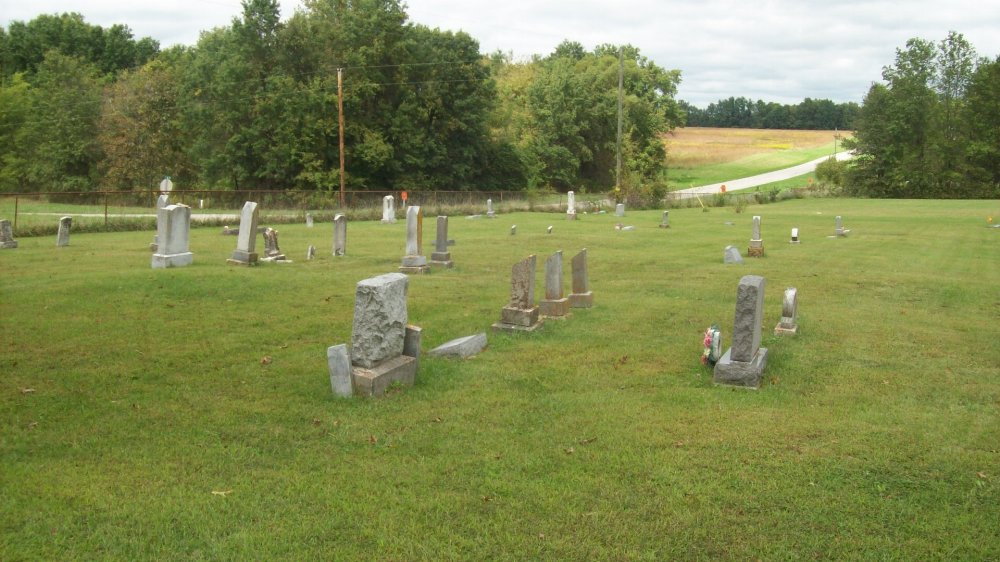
column 340, row 111
column 618, row 151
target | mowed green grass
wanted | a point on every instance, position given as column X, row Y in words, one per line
column 138, row 422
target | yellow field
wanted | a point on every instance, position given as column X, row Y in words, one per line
column 691, row 147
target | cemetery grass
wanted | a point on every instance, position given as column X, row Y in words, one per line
column 186, row 414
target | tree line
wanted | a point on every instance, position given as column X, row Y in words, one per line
column 741, row 112
column 254, row 105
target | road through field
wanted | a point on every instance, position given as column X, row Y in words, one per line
column 760, row 179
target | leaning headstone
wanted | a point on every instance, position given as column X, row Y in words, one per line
column 513, row 229
column 339, row 235
column 272, row 252
column 441, row 257
column 549, row 230
column 311, row 252
column 665, row 221
column 743, row 364
column 489, row 209
column 795, row 236
column 461, row 347
column 521, row 313
column 65, row 224
column 840, row 230
column 571, row 206
column 620, row 210
column 7, row 241
column 246, row 239
column 756, row 248
column 414, row 262
column 582, row 296
column 309, row 220
column 789, row 323
column 161, row 202
column 173, row 229
column 554, row 305
column 388, row 210
column 384, row 348
column 732, row 255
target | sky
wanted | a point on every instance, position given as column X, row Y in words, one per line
column 775, row 50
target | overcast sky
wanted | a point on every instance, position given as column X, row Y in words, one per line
column 775, row 50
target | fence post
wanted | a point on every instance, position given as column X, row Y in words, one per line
column 15, row 212
column 105, row 210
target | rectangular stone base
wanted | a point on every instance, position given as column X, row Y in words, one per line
column 375, row 381
column 388, row 221
column 243, row 258
column 415, row 270
column 664, row 226
column 162, row 261
column 781, row 330
column 445, row 264
column 843, row 232
column 571, row 216
column 740, row 373
column 581, row 300
column 503, row 326
column 441, row 259
column 755, row 252
column 519, row 316
column 557, row 308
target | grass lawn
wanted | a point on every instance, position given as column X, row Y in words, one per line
column 137, row 420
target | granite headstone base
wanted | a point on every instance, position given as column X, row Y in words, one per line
column 746, row 374
column 243, row 258
column 756, row 249
column 554, row 308
column 518, row 319
column 163, row 261
column 581, row 300
column 786, row 329
column 442, row 259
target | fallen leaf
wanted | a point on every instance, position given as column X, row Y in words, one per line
column 497, row 456
column 569, row 451
column 284, row 346
column 487, row 499
column 35, row 424
column 27, row 390
column 621, row 361
column 588, row 441
column 222, row 493
column 317, row 421
column 336, row 423
column 438, row 420
column 266, row 360
column 981, row 475
column 372, row 439
column 541, row 535
column 679, row 444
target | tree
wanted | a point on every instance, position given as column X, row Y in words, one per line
column 981, row 116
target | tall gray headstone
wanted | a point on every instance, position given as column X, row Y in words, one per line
column 554, row 305
column 788, row 325
column 7, row 241
column 489, row 209
column 65, row 224
column 521, row 313
column 620, row 210
column 744, row 363
column 756, row 248
column 571, row 206
column 339, row 235
column 839, row 225
column 309, row 220
column 441, row 257
column 582, row 296
column 414, row 261
column 310, row 252
column 388, row 210
column 665, row 220
column 173, row 229
column 380, row 318
column 162, row 201
column 246, row 239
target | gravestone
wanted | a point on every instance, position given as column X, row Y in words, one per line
column 489, row 209
column 226, row 231
column 665, row 221
column 272, row 251
column 554, row 305
column 166, row 186
column 65, row 224
column 620, row 210
column 570, row 206
column 513, row 229
column 161, row 202
column 839, row 227
column 388, row 210
column 7, row 241
column 521, row 313
column 549, row 229
column 743, row 364
column 310, row 252
column 582, row 296
column 384, row 347
column 795, row 236
column 788, row 325
column 441, row 257
column 339, row 235
column 732, row 255
column 173, row 229
column 246, row 237
column 756, row 248
column 414, row 262
column 309, row 220
column 461, row 347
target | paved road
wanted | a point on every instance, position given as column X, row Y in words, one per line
column 762, row 179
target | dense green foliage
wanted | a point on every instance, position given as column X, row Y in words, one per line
column 930, row 131
column 741, row 112
column 255, row 106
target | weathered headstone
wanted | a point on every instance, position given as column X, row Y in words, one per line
column 65, row 224
column 166, row 186
column 839, row 226
column 549, row 230
column 513, row 229
column 272, row 251
column 489, row 209
column 571, row 206
column 582, row 296
column 7, row 241
column 665, row 221
column 554, row 305
column 246, row 237
column 414, row 262
column 461, row 347
column 161, row 202
column 226, row 231
column 620, row 210
column 732, row 255
column 173, row 227
column 388, row 210
column 744, row 363
column 441, row 257
column 795, row 236
column 339, row 235
column 521, row 313
column 384, row 348
column 310, row 252
column 756, row 248
column 788, row 325
column 309, row 220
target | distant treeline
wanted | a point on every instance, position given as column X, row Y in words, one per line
column 741, row 112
